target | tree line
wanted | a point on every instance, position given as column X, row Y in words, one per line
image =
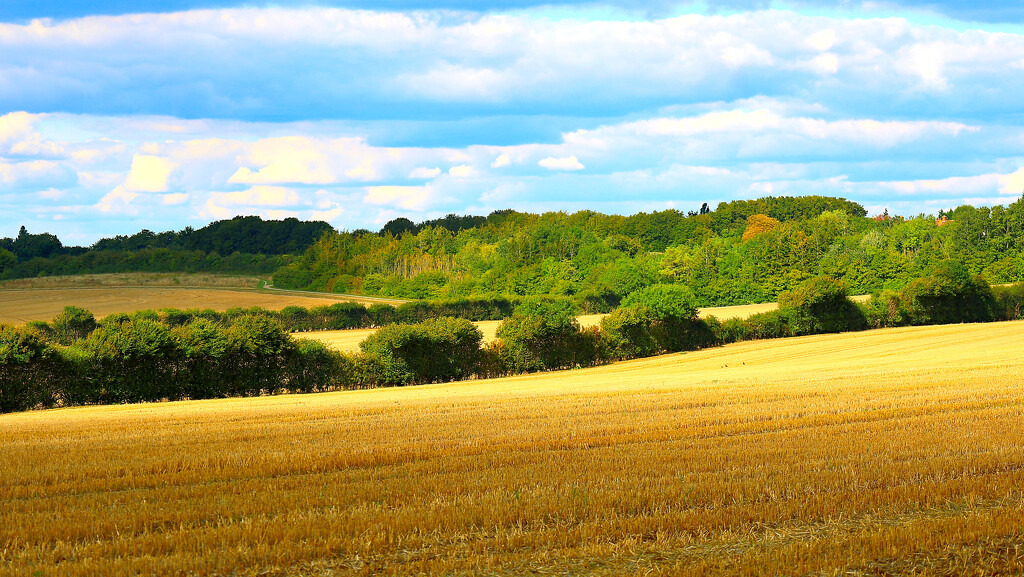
column 241, row 245
column 740, row 252
column 76, row 359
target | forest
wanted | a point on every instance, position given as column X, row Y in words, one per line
column 745, row 251
column 241, row 245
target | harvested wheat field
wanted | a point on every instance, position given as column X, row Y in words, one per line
column 348, row 340
column 43, row 299
column 884, row 452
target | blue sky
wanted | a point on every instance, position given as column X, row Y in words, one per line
column 118, row 116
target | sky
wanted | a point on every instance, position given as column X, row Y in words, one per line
column 117, row 116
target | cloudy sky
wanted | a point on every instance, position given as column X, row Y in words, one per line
column 115, row 118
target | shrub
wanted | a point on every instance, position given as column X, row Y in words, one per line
column 821, row 305
column 769, row 325
column 202, row 345
column 25, row 381
column 632, row 332
column 72, row 324
column 312, row 367
column 257, row 347
column 886, row 310
column 541, row 334
column 1009, row 301
column 660, row 317
column 734, row 330
column 949, row 295
column 435, row 350
column 132, row 361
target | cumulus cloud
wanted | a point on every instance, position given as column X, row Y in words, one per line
column 565, row 163
column 176, row 199
column 258, row 196
column 309, row 110
column 416, row 198
column 422, row 172
column 285, row 160
column 148, row 174
column 120, row 201
column 523, row 64
column 461, row 171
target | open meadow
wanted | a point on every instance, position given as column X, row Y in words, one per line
column 42, row 299
column 883, row 452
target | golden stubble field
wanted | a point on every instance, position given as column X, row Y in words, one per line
column 42, row 299
column 895, row 451
column 348, row 340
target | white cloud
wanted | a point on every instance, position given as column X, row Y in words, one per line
column 461, row 171
column 565, row 163
column 416, row 198
column 148, row 174
column 15, row 126
column 260, row 195
column 422, row 172
column 120, row 201
column 822, row 40
column 286, row 160
column 502, row 161
column 175, row 199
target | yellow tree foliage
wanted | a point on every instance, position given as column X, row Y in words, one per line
column 758, row 223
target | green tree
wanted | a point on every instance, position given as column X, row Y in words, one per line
column 821, row 305
column 24, row 379
column 436, row 350
column 541, row 334
column 132, row 361
column 949, row 295
column 72, row 324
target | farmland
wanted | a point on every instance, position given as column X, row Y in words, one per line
column 42, row 299
column 876, row 452
column 348, row 340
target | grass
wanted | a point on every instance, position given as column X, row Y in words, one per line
column 879, row 452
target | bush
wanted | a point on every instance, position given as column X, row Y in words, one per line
column 886, row 310
column 734, row 330
column 25, row 381
column 314, row 368
column 437, row 350
column 132, row 361
column 633, row 332
column 949, row 295
column 202, row 345
column 821, row 305
column 769, row 325
column 655, row 319
column 255, row 355
column 72, row 324
column 1009, row 302
column 542, row 334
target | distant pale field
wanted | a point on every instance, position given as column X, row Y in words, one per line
column 348, row 340
column 879, row 452
column 42, row 299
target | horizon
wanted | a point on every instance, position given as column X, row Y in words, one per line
column 117, row 117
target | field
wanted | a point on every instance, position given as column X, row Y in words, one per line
column 42, row 299
column 883, row 452
column 349, row 340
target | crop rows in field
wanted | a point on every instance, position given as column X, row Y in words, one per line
column 882, row 451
